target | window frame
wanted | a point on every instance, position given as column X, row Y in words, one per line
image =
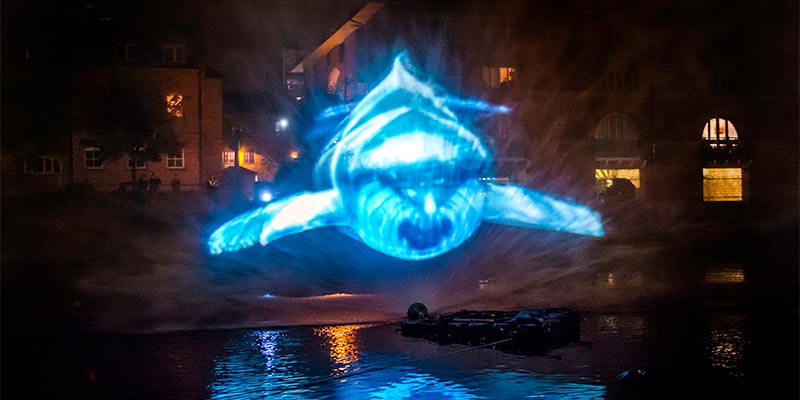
column 228, row 157
column 489, row 73
column 176, row 52
column 44, row 170
column 175, row 110
column 617, row 81
column 96, row 153
column 176, row 160
column 248, row 157
column 138, row 167
column 708, row 182
column 127, row 47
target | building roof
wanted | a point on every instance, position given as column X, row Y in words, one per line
column 356, row 21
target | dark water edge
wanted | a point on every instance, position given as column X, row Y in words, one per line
column 730, row 352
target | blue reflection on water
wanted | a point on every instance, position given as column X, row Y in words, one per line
column 258, row 363
column 342, row 362
column 403, row 175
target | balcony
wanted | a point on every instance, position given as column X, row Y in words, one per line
column 724, row 153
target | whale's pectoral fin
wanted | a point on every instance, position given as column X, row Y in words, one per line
column 516, row 205
column 281, row 218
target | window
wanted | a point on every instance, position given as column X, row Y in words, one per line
column 722, row 184
column 294, row 83
column 39, row 50
column 140, row 163
column 614, row 32
column 495, row 77
column 92, row 158
column 617, row 156
column 228, row 157
column 175, row 104
column 604, row 175
column 173, row 54
column 617, row 126
column 41, row 165
column 439, row 29
column 720, row 134
column 615, row 81
column 719, row 83
column 720, row 38
column 721, row 149
column 249, row 157
column 175, row 159
column 125, row 52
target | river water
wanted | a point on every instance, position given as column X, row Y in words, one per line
column 710, row 352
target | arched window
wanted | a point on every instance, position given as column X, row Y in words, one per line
column 720, row 133
column 723, row 177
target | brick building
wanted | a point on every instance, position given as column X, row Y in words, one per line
column 58, row 58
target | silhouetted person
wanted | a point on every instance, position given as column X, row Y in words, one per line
column 211, row 186
column 154, row 183
column 175, row 183
column 141, row 185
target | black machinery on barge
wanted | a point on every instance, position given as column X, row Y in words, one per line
column 529, row 331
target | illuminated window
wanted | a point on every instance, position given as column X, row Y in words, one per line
column 41, row 165
column 249, row 157
column 722, row 184
column 175, row 159
column 125, row 52
column 294, row 155
column 173, row 54
column 175, row 104
column 719, row 133
column 228, row 157
column 603, row 175
column 495, row 77
column 140, row 163
column 92, row 158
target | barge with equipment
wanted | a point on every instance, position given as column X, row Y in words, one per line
column 526, row 331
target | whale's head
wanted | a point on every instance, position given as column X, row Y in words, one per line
column 414, row 195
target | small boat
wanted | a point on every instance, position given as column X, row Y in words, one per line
column 529, row 331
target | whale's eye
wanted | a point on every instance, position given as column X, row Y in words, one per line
column 422, row 236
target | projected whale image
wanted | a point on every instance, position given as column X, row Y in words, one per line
column 403, row 175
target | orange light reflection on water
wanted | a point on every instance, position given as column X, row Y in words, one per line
column 343, row 347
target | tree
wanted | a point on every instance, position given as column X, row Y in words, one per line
column 127, row 118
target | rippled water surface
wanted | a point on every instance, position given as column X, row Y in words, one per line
column 717, row 353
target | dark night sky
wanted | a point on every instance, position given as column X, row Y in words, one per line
column 242, row 38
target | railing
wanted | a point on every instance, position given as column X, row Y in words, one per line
column 721, row 148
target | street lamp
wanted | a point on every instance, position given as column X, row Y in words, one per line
column 281, row 125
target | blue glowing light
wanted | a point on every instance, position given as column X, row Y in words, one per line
column 403, row 175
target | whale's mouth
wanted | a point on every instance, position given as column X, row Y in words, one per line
column 423, row 238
